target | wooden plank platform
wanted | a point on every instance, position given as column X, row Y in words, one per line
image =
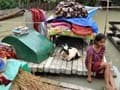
column 55, row 65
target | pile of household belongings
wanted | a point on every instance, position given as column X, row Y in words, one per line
column 9, row 66
column 6, row 52
column 15, row 74
column 72, row 18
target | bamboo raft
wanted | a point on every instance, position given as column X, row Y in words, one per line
column 55, row 65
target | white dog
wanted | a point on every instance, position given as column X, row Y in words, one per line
column 69, row 53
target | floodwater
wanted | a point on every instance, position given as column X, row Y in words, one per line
column 112, row 54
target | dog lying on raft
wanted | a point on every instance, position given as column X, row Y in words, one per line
column 69, row 53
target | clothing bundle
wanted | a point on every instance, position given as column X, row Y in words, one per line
column 68, row 28
column 38, row 16
column 73, row 19
column 6, row 52
column 70, row 8
column 34, row 17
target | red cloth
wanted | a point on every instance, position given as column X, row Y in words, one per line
column 80, row 30
column 37, row 16
column 4, row 81
column 6, row 51
column 96, row 67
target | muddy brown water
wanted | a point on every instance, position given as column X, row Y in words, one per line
column 112, row 54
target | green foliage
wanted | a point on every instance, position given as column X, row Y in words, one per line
column 6, row 4
column 88, row 2
column 116, row 2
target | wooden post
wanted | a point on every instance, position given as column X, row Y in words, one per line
column 28, row 3
column 106, row 18
column 19, row 3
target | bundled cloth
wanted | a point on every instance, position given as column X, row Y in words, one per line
column 35, row 19
column 7, row 51
column 57, row 27
column 70, row 8
column 37, row 16
column 80, row 30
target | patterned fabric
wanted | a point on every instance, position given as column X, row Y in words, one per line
column 69, row 33
column 7, row 51
column 4, row 81
column 55, row 24
column 67, row 29
column 70, row 8
column 96, row 57
column 38, row 16
column 80, row 30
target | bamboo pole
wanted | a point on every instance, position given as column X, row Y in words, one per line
column 106, row 17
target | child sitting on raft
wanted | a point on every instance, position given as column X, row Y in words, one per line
column 94, row 62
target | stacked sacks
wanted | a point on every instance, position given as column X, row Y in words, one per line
column 70, row 8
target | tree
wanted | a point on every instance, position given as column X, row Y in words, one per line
column 116, row 2
column 6, row 4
